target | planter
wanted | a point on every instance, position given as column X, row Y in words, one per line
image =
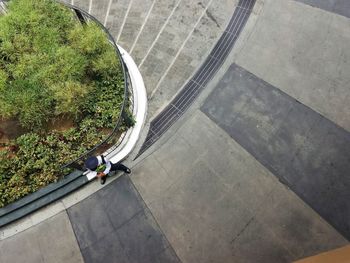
column 116, row 152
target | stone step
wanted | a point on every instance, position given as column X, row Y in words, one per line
column 99, row 9
column 83, row 4
column 116, row 16
column 136, row 17
column 157, row 20
column 162, row 52
column 192, row 53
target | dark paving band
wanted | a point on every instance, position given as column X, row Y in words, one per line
column 303, row 149
column 201, row 78
column 341, row 7
column 114, row 225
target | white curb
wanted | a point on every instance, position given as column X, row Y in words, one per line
column 139, row 113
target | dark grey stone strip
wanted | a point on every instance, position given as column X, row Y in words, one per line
column 115, row 225
column 39, row 194
column 341, row 7
column 303, row 149
column 201, row 78
column 43, row 200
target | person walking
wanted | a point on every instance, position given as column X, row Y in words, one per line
column 98, row 164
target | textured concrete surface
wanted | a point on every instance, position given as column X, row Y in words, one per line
column 99, row 9
column 341, row 7
column 302, row 148
column 113, row 225
column 136, row 18
column 216, row 203
column 52, row 241
column 116, row 16
column 193, row 52
column 304, row 52
column 158, row 17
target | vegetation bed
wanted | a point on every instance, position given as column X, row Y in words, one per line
column 61, row 92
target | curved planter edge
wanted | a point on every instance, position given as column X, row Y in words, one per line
column 139, row 112
column 72, row 182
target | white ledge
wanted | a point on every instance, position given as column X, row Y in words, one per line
column 139, row 113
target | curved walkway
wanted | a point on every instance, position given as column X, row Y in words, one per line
column 212, row 189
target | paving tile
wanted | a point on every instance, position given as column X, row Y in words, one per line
column 167, row 256
column 120, row 201
column 106, row 250
column 257, row 244
column 297, row 226
column 311, row 65
column 23, row 247
column 150, row 179
column 175, row 156
column 57, row 240
column 116, row 16
column 237, row 169
column 142, row 239
column 323, row 165
column 199, row 215
column 90, row 221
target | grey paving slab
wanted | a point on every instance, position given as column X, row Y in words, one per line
column 142, row 239
column 199, row 215
column 57, row 240
column 106, row 250
column 196, row 49
column 207, row 212
column 303, row 149
column 21, row 248
column 239, row 172
column 177, row 159
column 135, row 19
column 159, row 14
column 303, row 51
column 257, row 244
column 151, row 175
column 90, row 221
column 52, row 241
column 99, row 9
column 114, row 225
column 297, row 226
column 120, row 201
column 116, row 16
column 341, row 7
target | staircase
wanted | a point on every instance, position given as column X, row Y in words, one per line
column 168, row 39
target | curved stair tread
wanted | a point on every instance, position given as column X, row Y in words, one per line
column 133, row 23
column 99, row 9
column 161, row 12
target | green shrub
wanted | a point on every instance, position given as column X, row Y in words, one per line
column 53, row 68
